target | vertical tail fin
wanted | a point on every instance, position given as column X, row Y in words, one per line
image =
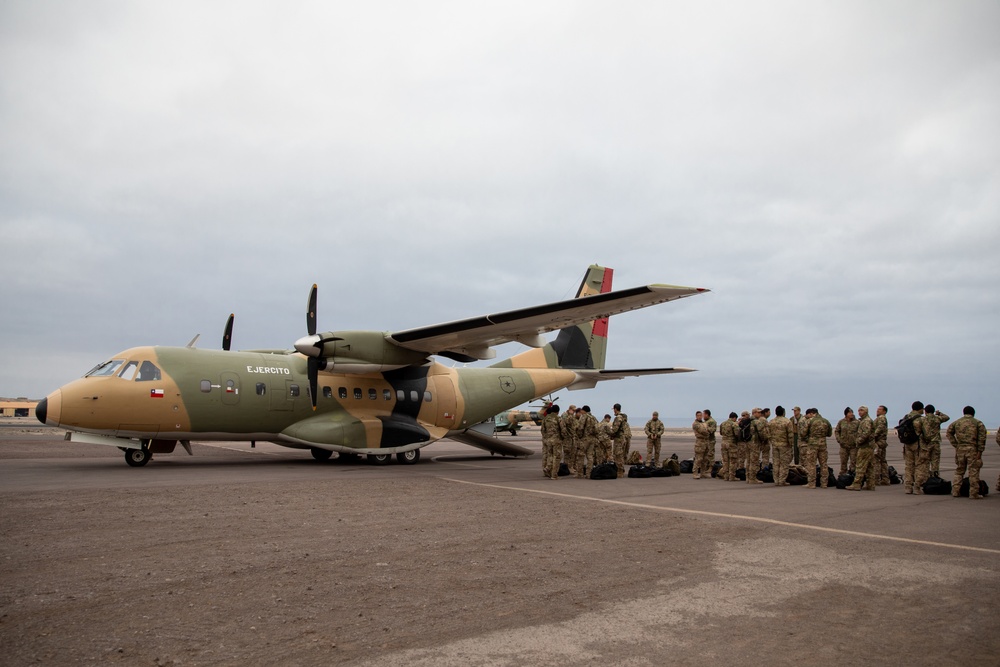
column 581, row 346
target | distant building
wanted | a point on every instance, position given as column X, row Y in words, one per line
column 21, row 407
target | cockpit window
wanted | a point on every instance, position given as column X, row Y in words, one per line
column 129, row 371
column 106, row 369
column 148, row 372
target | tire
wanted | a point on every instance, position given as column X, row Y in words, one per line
column 320, row 454
column 380, row 459
column 137, row 457
column 408, row 458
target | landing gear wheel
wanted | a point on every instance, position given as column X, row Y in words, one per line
column 320, row 454
column 137, row 457
column 380, row 459
column 409, row 458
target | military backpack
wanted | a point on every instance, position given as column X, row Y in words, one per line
column 746, row 430
column 907, row 432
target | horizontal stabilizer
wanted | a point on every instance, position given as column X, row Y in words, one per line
column 588, row 379
column 489, row 443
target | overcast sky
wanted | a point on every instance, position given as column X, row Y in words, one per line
column 830, row 170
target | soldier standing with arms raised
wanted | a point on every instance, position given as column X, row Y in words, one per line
column 968, row 435
column 654, row 432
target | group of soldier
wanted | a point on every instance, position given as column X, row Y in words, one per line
column 580, row 441
column 754, row 440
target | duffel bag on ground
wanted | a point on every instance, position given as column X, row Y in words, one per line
column 640, row 471
column 935, row 486
column 604, row 471
column 963, row 491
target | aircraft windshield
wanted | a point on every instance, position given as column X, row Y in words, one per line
column 106, row 369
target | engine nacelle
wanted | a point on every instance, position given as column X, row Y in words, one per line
column 358, row 351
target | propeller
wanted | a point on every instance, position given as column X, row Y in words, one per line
column 227, row 336
column 312, row 347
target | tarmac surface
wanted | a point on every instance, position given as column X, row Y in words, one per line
column 243, row 555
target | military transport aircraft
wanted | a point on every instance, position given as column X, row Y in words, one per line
column 366, row 393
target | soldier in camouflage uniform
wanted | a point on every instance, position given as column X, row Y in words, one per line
column 700, row 446
column 780, row 435
column 765, row 448
column 813, row 432
column 587, row 442
column 880, row 432
column 930, row 437
column 730, row 432
column 795, row 419
column 603, row 453
column 968, row 435
column 620, row 435
column 711, row 426
column 654, row 432
column 758, row 430
column 552, row 442
column 914, row 459
column 570, row 427
column 864, row 470
column 743, row 446
column 846, row 434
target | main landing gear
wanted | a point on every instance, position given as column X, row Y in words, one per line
column 138, row 457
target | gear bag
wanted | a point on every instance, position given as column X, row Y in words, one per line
column 907, row 432
column 604, row 471
column 935, row 486
column 963, row 491
column 746, row 430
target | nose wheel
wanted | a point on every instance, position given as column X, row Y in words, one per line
column 138, row 457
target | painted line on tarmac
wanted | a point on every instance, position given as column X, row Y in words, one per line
column 776, row 522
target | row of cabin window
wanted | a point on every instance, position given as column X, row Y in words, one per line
column 294, row 391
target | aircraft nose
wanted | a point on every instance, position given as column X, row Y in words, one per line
column 49, row 409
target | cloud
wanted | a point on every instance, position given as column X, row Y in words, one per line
column 829, row 170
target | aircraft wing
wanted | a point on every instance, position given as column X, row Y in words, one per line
column 471, row 339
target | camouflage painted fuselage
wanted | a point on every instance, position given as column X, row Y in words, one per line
column 216, row 395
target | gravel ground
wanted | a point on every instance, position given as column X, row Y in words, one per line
column 415, row 569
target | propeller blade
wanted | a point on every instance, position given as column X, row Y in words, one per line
column 227, row 336
column 311, row 312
